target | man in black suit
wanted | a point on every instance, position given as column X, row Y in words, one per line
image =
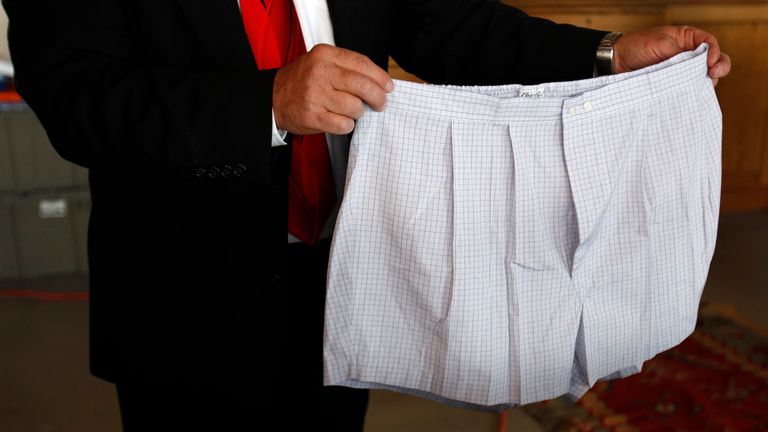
column 201, row 313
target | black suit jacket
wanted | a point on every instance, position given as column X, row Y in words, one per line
column 162, row 101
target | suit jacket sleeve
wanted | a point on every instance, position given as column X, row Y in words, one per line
column 487, row 42
column 102, row 102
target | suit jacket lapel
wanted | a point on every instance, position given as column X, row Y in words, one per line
column 220, row 27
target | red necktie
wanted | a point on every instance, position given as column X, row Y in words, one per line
column 274, row 33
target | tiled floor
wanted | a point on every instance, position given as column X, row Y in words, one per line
column 45, row 385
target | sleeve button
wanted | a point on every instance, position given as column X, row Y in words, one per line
column 226, row 171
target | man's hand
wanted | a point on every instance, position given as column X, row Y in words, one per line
column 325, row 91
column 638, row 49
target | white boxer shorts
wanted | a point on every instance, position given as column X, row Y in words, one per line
column 498, row 246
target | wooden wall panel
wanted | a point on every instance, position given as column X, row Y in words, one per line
column 742, row 30
column 743, row 113
column 610, row 20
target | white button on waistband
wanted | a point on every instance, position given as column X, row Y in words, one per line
column 572, row 110
column 587, row 106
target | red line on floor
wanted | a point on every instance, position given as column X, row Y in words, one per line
column 51, row 296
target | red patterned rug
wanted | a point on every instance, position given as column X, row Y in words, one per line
column 715, row 380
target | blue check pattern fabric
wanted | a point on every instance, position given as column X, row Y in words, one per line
column 503, row 245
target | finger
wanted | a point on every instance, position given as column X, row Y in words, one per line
column 722, row 67
column 697, row 36
column 336, row 123
column 361, row 64
column 345, row 104
column 362, row 87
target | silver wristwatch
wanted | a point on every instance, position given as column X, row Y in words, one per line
column 604, row 57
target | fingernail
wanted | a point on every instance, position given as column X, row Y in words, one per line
column 390, row 86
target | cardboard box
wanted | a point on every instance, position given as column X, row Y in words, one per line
column 7, row 181
column 36, row 164
column 45, row 235
column 9, row 268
